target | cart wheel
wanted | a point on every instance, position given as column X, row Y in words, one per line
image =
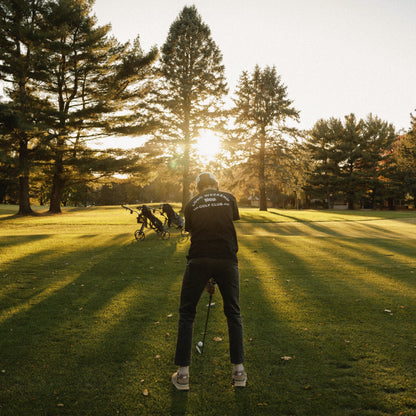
column 165, row 235
column 139, row 235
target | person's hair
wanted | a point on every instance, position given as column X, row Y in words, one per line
column 206, row 179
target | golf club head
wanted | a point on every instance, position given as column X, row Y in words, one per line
column 198, row 349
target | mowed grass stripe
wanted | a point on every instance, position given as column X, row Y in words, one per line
column 89, row 317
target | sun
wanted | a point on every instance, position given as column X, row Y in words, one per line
column 208, row 145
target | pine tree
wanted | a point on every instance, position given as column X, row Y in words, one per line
column 350, row 146
column 350, row 160
column 378, row 138
column 405, row 161
column 323, row 147
column 22, row 64
column 192, row 85
column 90, row 77
column 261, row 110
column 70, row 83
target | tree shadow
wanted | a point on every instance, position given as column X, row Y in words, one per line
column 314, row 320
column 93, row 331
column 100, row 334
column 179, row 402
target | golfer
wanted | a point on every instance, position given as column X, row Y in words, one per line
column 209, row 219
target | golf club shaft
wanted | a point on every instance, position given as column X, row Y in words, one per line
column 206, row 323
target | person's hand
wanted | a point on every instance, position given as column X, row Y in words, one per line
column 210, row 287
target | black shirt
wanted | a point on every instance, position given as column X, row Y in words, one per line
column 209, row 219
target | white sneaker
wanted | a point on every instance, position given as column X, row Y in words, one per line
column 239, row 378
column 180, row 381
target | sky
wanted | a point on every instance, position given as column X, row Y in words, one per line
column 336, row 57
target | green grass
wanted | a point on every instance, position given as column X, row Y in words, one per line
column 88, row 316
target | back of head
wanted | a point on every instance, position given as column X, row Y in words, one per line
column 206, row 180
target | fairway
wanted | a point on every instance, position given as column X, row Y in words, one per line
column 88, row 316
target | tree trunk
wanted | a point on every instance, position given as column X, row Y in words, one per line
column 262, row 177
column 185, row 190
column 24, row 199
column 185, row 178
column 350, row 200
column 186, row 158
column 58, row 183
column 327, row 202
column 56, row 194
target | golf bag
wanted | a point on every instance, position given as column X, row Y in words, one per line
column 155, row 223
column 171, row 216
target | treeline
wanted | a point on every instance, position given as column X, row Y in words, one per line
column 68, row 82
column 362, row 163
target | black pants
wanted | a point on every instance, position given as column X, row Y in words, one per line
column 197, row 273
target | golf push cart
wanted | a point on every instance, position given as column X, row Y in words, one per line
column 147, row 219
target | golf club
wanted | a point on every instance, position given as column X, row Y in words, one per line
column 201, row 344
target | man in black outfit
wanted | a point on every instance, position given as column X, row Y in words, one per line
column 209, row 219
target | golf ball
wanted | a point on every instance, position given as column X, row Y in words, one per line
column 200, row 344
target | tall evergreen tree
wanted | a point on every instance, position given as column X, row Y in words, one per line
column 378, row 138
column 22, row 66
column 323, row 148
column 70, row 82
column 261, row 111
column 405, row 161
column 349, row 159
column 90, row 77
column 192, row 86
column 8, row 165
column 351, row 148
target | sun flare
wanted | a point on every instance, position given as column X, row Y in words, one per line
column 208, row 145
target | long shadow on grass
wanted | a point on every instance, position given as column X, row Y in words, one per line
column 329, row 231
column 383, row 231
column 291, row 366
column 283, row 229
column 275, row 384
column 7, row 241
column 392, row 258
column 42, row 271
column 101, row 339
column 312, row 319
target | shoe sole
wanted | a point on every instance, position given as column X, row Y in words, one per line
column 240, row 383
